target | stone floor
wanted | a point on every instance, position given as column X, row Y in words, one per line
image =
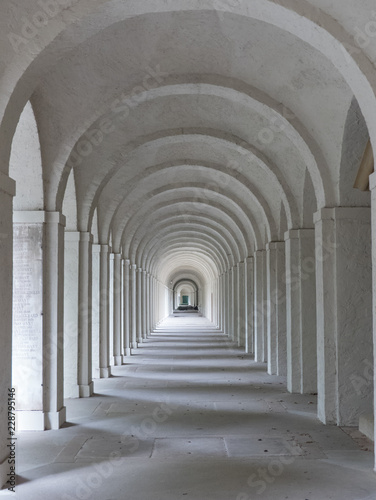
column 192, row 417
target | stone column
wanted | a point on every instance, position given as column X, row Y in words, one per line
column 236, row 305
column 271, row 315
column 249, row 346
column 147, row 305
column 225, row 303
column 220, row 302
column 139, row 306
column 276, row 308
column 104, row 339
column 72, row 306
column 96, row 249
column 7, row 191
column 373, row 224
column 232, row 304
column 133, row 307
column 117, row 295
column 151, row 325
column 144, row 306
column 242, row 304
column 265, row 309
column 127, row 311
column 155, row 301
column 53, row 317
column 39, row 319
column 85, row 381
column 111, row 309
column 228, row 302
column 152, row 303
column 259, row 313
column 122, row 316
column 281, row 309
column 344, row 313
column 301, row 311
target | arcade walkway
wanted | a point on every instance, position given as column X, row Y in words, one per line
column 191, row 417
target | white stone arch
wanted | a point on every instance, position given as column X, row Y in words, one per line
column 199, row 225
column 118, row 184
column 94, row 227
column 70, row 204
column 355, row 139
column 188, row 239
column 200, row 192
column 302, row 24
column 306, row 146
column 181, row 259
column 187, row 206
column 208, row 175
column 28, row 369
column 26, row 163
column 185, row 288
column 309, row 202
column 231, row 236
column 187, row 214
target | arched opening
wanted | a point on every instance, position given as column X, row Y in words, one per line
column 186, row 295
column 37, row 291
column 213, row 164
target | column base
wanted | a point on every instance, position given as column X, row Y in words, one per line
column 118, row 360
column 55, row 419
column 72, row 392
column 86, row 391
column 105, row 372
column 140, row 341
column 128, row 351
column 134, row 345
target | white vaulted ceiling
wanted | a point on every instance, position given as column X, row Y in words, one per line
column 195, row 129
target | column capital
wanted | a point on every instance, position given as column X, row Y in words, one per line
column 38, row 217
column 105, row 248
column 337, row 213
column 85, row 237
column 259, row 254
column 275, row 245
column 72, row 236
column 297, row 234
